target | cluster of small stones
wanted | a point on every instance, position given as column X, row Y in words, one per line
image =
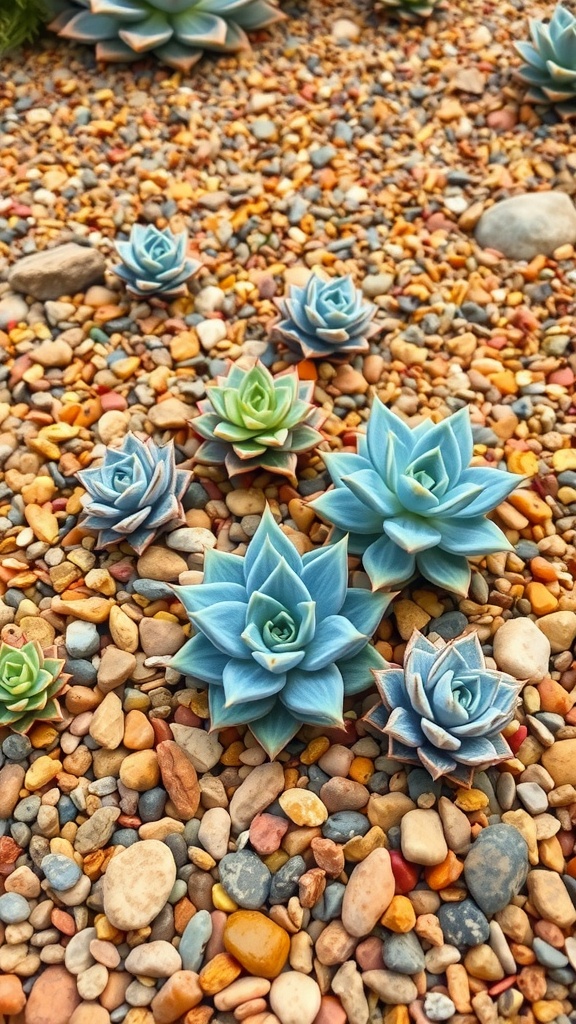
column 151, row 871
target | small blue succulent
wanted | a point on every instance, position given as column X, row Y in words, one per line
column 134, row 494
column 412, row 503
column 326, row 318
column 280, row 639
column 155, row 262
column 445, row 710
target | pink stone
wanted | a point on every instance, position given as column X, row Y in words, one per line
column 112, row 400
column 331, row 1012
column 565, row 377
column 267, row 832
column 216, row 942
column 369, row 954
column 504, row 119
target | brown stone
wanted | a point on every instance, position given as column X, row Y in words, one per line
column 12, row 997
column 179, row 778
column 181, row 993
column 53, row 997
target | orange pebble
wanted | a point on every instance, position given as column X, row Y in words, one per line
column 307, row 370
column 541, row 600
column 231, row 756
column 361, row 769
column 542, row 569
column 218, row 973
column 400, row 916
column 315, row 749
column 440, row 876
column 554, row 698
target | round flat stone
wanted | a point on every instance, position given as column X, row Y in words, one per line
column 60, row 872
column 137, row 884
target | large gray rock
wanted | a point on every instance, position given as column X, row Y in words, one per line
column 496, row 867
column 64, row 270
column 528, row 225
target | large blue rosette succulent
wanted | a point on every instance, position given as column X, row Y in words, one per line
column 155, row 262
column 445, row 709
column 412, row 504
column 280, row 639
column 134, row 494
column 326, row 319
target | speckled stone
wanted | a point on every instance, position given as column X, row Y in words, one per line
column 496, row 867
column 245, row 878
column 463, row 924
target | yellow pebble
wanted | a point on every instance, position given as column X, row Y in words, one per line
column 400, row 916
column 541, row 600
column 303, row 807
column 275, row 861
column 531, row 505
column 564, row 459
column 41, row 771
column 42, row 735
column 396, row 1015
column 107, row 931
column 546, row 1010
column 523, row 463
column 361, row 769
column 201, row 859
column 471, row 799
column 221, row 899
column 315, row 749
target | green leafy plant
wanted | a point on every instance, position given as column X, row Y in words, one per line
column 253, row 420
column 176, row 31
column 29, row 685
column 550, row 62
column 445, row 710
column 20, row 22
column 411, row 503
column 410, row 9
column 280, row 639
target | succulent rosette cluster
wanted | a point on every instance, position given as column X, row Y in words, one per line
column 30, row 683
column 135, row 493
column 280, row 639
column 412, row 504
column 445, row 710
column 550, row 62
column 175, row 31
column 254, row 420
column 326, row 319
column 155, row 262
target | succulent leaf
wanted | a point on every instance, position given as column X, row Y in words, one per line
column 277, row 643
column 445, row 710
column 411, row 503
column 549, row 66
column 411, row 10
column 325, row 318
column 176, row 31
column 253, row 420
column 29, row 685
column 135, row 493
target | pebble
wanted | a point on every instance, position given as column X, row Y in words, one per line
column 60, row 872
column 496, row 867
column 201, row 748
column 403, row 954
column 13, row 908
column 255, row 794
column 422, row 837
column 295, row 998
column 550, row 897
column 347, row 984
column 528, row 224
column 560, row 761
column 62, row 270
column 53, row 997
column 194, row 940
column 463, row 924
column 438, row 1006
column 522, row 650
column 258, row 943
column 245, row 878
column 156, row 959
column 368, row 894
column 137, row 884
column 390, row 987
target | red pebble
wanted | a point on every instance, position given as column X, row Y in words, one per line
column 369, row 954
column 405, row 874
column 112, row 400
column 121, row 571
column 331, row 1011
column 161, row 729
column 565, row 377
column 516, row 741
column 63, row 922
column 184, row 716
column 501, row 986
column 267, row 832
column 497, row 342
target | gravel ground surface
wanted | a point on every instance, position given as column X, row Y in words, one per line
column 353, row 143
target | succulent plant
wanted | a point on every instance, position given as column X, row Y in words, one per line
column 445, row 709
column 176, row 31
column 550, row 68
column 155, row 262
column 134, row 494
column 280, row 639
column 20, row 22
column 29, row 685
column 326, row 319
column 411, row 503
column 410, row 9
column 252, row 420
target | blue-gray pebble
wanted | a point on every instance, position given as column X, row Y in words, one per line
column 285, row 881
column 60, row 872
column 496, row 867
column 403, row 953
column 548, row 956
column 245, row 878
column 329, row 906
column 194, row 940
column 14, row 908
column 344, row 825
column 463, row 924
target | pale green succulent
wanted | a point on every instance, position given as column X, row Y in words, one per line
column 550, row 62
column 29, row 685
column 176, row 31
column 411, row 9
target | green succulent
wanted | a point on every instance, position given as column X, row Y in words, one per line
column 176, row 31
column 410, row 9
column 29, row 686
column 252, row 420
column 550, row 62
column 20, row 22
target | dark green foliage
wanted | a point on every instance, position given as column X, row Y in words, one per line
column 20, row 21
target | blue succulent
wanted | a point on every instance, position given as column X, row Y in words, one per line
column 445, row 710
column 326, row 318
column 280, row 639
column 155, row 262
column 134, row 494
column 412, row 503
column 549, row 67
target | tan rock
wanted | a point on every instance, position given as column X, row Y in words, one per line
column 138, row 731
column 137, row 884
column 368, row 894
column 140, row 771
column 551, row 898
column 53, row 997
column 107, row 723
column 388, row 809
column 560, row 761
